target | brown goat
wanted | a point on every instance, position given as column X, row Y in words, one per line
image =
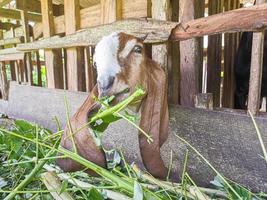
column 122, row 64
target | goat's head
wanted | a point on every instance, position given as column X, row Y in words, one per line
column 122, row 64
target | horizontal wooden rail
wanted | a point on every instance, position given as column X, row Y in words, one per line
column 244, row 19
column 9, row 41
column 156, row 31
column 249, row 19
column 15, row 14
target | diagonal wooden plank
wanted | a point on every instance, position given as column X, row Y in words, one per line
column 4, row 2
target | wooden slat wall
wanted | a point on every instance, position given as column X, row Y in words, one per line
column 231, row 41
column 214, row 57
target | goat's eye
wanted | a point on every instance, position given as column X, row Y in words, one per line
column 94, row 65
column 137, row 49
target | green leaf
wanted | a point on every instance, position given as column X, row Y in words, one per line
column 138, row 191
column 64, row 186
column 94, row 195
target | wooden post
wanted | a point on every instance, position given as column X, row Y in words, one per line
column 214, row 57
column 174, row 62
column 231, row 41
column 38, row 67
column 111, row 11
column 189, row 58
column 161, row 10
column 204, row 101
column 75, row 56
column 89, row 69
column 28, row 62
column 53, row 58
column 254, row 96
column 3, row 77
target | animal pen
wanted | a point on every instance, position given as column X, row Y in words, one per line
column 46, row 53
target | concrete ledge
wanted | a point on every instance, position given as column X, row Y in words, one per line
column 227, row 139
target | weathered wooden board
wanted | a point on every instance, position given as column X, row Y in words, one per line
column 91, row 16
column 15, row 14
column 227, row 139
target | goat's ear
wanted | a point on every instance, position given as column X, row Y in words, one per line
column 84, row 142
column 154, row 120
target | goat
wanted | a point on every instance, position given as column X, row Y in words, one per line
column 121, row 65
column 242, row 70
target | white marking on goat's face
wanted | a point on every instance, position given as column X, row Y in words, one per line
column 106, row 58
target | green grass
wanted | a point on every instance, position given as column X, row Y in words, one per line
column 28, row 153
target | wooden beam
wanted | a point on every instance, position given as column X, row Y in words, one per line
column 253, row 19
column 7, row 25
column 53, row 58
column 161, row 11
column 155, row 30
column 254, row 95
column 111, row 11
column 75, row 60
column 174, row 63
column 189, row 55
column 231, row 41
column 11, row 41
column 15, row 14
column 35, row 6
column 91, row 16
column 214, row 65
column 3, row 77
column 28, row 62
column 4, row 2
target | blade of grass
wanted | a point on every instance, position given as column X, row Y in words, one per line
column 210, row 165
column 259, row 136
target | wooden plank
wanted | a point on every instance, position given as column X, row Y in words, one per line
column 3, row 77
column 204, row 101
column 15, row 14
column 11, row 41
column 12, row 57
column 189, row 55
column 35, row 6
column 156, row 31
column 253, row 19
column 90, row 72
column 174, row 63
column 53, row 58
column 214, row 57
column 254, row 95
column 38, row 69
column 7, row 25
column 111, row 11
column 230, row 46
column 4, row 2
column 75, row 60
column 91, row 16
column 161, row 11
column 28, row 62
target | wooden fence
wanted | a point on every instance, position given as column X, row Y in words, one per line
column 68, row 33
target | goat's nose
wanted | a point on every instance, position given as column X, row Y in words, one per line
column 105, row 84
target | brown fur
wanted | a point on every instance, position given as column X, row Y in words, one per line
column 154, row 112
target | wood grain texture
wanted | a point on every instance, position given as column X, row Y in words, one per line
column 26, row 35
column 231, row 41
column 15, row 14
column 254, row 94
column 189, row 58
column 157, row 32
column 214, row 65
column 53, row 58
column 75, row 60
column 253, row 19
